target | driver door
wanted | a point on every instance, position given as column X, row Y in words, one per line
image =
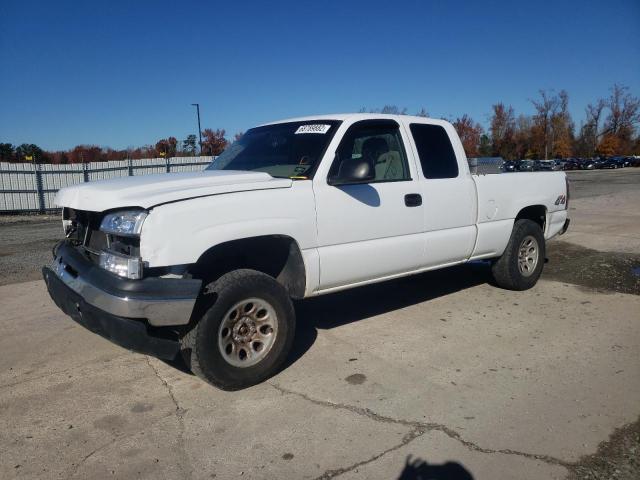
column 370, row 229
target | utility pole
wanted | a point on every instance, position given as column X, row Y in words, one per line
column 197, row 105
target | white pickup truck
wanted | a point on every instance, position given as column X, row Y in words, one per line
column 206, row 264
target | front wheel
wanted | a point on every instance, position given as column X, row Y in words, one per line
column 246, row 335
column 520, row 266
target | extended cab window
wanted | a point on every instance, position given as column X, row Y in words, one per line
column 287, row 150
column 436, row 153
column 378, row 143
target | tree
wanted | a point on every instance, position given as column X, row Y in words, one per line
column 609, row 145
column 422, row 113
column 214, row 142
column 6, row 152
column 485, row 148
column 590, row 131
column 29, row 150
column 502, row 131
column 562, row 128
column 553, row 127
column 469, row 133
column 167, row 146
column 86, row 154
column 523, row 137
column 546, row 108
column 624, row 114
column 237, row 136
column 189, row 145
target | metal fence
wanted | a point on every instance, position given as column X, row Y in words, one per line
column 30, row 188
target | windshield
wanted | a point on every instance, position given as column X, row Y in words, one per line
column 285, row 150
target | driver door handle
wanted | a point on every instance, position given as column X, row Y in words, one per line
column 413, row 199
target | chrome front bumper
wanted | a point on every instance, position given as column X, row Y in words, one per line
column 161, row 301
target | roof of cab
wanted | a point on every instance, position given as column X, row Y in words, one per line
column 358, row 116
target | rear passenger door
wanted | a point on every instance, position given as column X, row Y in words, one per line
column 369, row 230
column 449, row 196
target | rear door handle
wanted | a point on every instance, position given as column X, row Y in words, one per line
column 413, row 199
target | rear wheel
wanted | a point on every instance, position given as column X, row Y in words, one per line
column 246, row 335
column 520, row 266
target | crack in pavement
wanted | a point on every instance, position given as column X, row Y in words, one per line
column 179, row 413
column 417, row 430
column 406, row 440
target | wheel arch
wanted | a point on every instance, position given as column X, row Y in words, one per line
column 278, row 256
column 535, row 213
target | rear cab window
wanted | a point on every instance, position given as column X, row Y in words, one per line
column 437, row 157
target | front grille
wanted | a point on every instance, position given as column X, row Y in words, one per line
column 86, row 232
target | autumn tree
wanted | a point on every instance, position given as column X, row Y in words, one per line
column 237, row 136
column 214, row 142
column 502, row 131
column 85, row 154
column 609, row 145
column 591, row 129
column 624, row 114
column 167, row 146
column 469, row 133
column 562, row 128
column 523, row 137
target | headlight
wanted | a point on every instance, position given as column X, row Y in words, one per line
column 126, row 223
column 121, row 265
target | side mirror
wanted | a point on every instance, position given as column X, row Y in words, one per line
column 353, row 171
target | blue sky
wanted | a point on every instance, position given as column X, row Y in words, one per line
column 124, row 73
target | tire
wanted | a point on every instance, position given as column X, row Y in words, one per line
column 253, row 314
column 514, row 271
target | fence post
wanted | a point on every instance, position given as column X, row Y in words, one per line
column 85, row 172
column 39, row 188
column 130, row 165
column 168, row 160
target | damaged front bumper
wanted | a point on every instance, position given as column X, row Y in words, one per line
column 127, row 312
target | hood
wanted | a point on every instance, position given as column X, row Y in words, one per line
column 147, row 191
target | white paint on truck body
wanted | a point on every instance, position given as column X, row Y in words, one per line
column 348, row 235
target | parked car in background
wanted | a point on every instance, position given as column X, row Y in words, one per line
column 571, row 164
column 588, row 164
column 608, row 163
column 509, row 166
column 527, row 166
column 545, row 165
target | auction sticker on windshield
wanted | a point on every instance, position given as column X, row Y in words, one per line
column 316, row 128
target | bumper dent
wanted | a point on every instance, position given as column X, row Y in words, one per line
column 163, row 302
column 130, row 334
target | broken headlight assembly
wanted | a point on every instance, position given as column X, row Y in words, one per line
column 122, row 257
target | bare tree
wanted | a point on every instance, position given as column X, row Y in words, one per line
column 503, row 127
column 624, row 110
column 591, row 129
column 546, row 109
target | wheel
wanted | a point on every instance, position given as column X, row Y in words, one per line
column 246, row 335
column 521, row 264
